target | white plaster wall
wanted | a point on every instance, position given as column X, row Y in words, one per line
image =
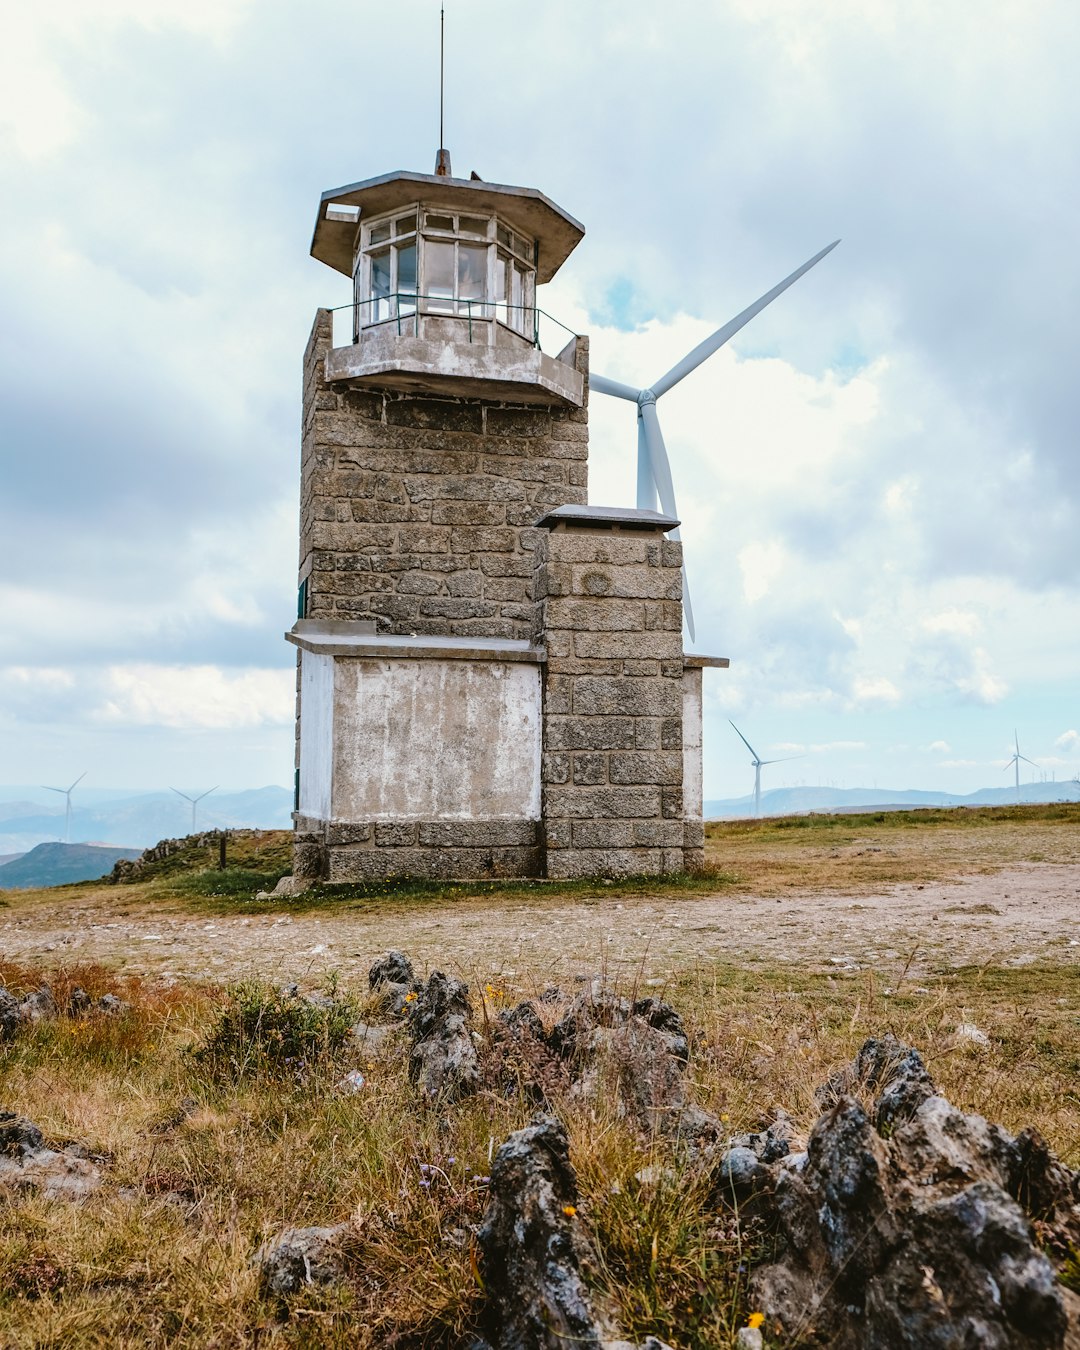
column 693, row 804
column 316, row 734
column 431, row 740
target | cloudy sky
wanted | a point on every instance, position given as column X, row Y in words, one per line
column 879, row 477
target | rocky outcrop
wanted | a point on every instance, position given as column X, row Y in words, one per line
column 532, row 1247
column 909, row 1223
column 443, row 1059
column 302, row 1256
column 41, row 1005
column 392, row 978
column 27, row 1163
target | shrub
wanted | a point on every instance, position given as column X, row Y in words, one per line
column 277, row 1033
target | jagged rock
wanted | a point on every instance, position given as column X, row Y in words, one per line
column 772, row 1143
column 38, row 1005
column 109, row 1003
column 522, row 1022
column 443, row 1059
column 79, row 1002
column 300, row 1256
column 907, row 1223
column 533, row 1250
column 373, row 1038
column 639, row 1050
column 27, row 1164
column 393, row 968
column 10, row 1016
column 392, row 977
column 883, row 1062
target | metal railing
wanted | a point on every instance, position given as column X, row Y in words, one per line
column 406, row 308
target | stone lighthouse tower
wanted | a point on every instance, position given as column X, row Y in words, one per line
column 491, row 675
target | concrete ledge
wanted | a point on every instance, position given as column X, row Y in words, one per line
column 339, row 639
column 691, row 661
column 384, row 360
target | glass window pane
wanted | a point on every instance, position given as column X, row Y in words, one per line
column 439, row 276
column 501, row 312
column 439, row 222
column 406, row 278
column 503, row 235
column 473, row 225
column 405, row 225
column 379, row 234
column 472, row 272
column 517, row 314
column 379, row 309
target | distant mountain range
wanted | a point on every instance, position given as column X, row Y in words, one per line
column 794, row 801
column 141, row 819
column 57, row 864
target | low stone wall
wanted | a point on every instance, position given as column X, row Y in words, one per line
column 377, row 850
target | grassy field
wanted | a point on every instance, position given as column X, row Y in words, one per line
column 160, row 1255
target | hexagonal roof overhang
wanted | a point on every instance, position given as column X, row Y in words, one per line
column 524, row 209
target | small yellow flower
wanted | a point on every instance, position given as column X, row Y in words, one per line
column 409, row 996
column 569, row 1211
column 755, row 1320
column 725, row 1117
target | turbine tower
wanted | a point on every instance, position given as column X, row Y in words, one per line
column 758, row 763
column 67, row 802
column 194, row 801
column 1015, row 761
column 653, row 467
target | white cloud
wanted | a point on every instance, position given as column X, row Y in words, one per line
column 956, row 622
column 874, row 689
column 1068, row 740
column 939, row 747
column 196, row 696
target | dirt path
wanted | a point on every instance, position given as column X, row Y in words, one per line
column 1024, row 913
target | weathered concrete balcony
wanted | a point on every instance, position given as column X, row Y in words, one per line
column 468, row 355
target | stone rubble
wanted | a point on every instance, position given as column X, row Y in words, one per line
column 28, row 1164
column 301, row 1256
column 41, row 1005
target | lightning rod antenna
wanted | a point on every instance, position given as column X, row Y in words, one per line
column 442, row 159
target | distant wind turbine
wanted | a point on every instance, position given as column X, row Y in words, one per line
column 1017, row 757
column 194, row 801
column 67, row 800
column 758, row 764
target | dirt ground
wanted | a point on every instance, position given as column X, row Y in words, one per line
column 834, row 903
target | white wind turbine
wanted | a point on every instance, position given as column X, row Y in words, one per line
column 67, row 802
column 758, row 763
column 653, row 466
column 1015, row 760
column 194, row 801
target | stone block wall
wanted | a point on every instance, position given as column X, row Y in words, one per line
column 417, row 512
column 340, row 851
column 609, row 612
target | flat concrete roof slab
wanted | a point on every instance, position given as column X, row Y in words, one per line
column 607, row 518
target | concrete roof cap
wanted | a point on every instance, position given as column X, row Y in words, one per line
column 526, row 210
column 606, row 518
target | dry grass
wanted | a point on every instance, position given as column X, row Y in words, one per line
column 161, row 1255
column 856, row 853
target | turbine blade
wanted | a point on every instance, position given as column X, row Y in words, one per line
column 784, row 759
column 206, row 793
column 1029, row 761
column 705, row 349
column 180, row 794
column 602, row 385
column 52, row 789
column 78, row 780
column 646, row 488
column 742, row 738
column 687, row 608
column 658, row 460
column 661, row 473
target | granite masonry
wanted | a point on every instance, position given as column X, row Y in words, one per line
column 491, row 679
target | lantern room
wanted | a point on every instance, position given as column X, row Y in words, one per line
column 445, row 274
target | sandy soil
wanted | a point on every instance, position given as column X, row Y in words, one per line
column 1023, row 913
